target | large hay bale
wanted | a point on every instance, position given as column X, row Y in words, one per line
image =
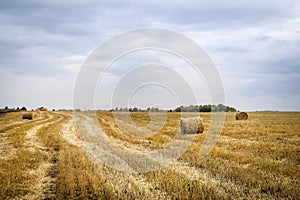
column 191, row 125
column 241, row 116
column 27, row 116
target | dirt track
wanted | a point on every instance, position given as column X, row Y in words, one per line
column 132, row 184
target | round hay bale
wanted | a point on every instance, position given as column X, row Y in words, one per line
column 27, row 116
column 241, row 116
column 191, row 125
column 42, row 109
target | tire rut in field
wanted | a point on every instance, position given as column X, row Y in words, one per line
column 125, row 185
column 11, row 125
column 7, row 149
column 46, row 172
column 31, row 138
column 50, row 177
column 69, row 134
column 50, row 185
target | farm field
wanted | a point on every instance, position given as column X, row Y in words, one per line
column 45, row 158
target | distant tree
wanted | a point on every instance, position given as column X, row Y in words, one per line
column 230, row 109
column 178, row 109
column 214, row 108
column 221, row 108
column 23, row 108
column 6, row 108
column 205, row 108
column 153, row 109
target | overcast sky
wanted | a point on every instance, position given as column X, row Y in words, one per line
column 255, row 46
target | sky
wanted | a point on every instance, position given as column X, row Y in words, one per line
column 254, row 45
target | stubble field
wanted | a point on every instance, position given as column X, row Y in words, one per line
column 45, row 158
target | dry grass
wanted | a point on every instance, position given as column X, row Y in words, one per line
column 258, row 158
column 45, row 166
column 16, row 177
column 254, row 159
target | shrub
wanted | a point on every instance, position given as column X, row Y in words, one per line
column 23, row 108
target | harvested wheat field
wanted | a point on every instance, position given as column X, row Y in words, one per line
column 45, row 158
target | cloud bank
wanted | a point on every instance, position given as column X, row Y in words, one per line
column 255, row 45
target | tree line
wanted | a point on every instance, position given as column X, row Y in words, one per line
column 205, row 108
column 191, row 108
column 6, row 109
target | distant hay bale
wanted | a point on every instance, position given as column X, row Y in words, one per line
column 191, row 125
column 241, row 116
column 27, row 116
column 42, row 109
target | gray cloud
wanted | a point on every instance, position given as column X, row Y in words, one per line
column 255, row 44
